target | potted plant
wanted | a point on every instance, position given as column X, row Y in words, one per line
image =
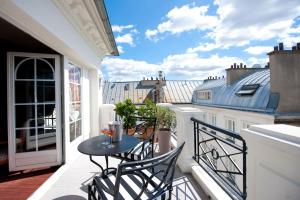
column 167, row 121
column 126, row 110
column 148, row 112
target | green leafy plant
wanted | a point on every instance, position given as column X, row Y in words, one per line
column 148, row 110
column 126, row 110
column 166, row 118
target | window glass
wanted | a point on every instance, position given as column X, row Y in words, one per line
column 75, row 102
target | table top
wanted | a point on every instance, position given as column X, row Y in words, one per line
column 94, row 146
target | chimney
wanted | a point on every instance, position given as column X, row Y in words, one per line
column 237, row 72
column 285, row 79
column 298, row 46
column 280, row 46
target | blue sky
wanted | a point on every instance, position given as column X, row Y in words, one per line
column 195, row 39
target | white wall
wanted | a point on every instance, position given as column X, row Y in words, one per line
column 273, row 162
column 239, row 117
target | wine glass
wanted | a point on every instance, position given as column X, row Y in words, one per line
column 110, row 134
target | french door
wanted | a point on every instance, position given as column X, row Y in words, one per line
column 34, row 110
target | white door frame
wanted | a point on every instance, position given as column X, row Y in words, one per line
column 28, row 160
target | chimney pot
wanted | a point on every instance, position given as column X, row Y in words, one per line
column 234, row 65
column 280, row 46
column 231, row 66
column 276, row 48
column 245, row 66
column 241, row 65
column 298, row 46
column 294, row 48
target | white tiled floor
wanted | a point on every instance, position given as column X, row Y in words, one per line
column 72, row 185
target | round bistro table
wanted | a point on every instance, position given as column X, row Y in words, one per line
column 94, row 147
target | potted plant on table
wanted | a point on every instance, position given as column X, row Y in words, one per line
column 148, row 112
column 167, row 121
column 126, row 110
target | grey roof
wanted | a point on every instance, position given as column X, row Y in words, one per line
column 175, row 91
column 225, row 95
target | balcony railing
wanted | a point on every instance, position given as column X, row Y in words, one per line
column 222, row 154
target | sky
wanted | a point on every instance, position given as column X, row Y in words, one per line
column 191, row 40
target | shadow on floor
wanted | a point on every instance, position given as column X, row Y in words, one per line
column 70, row 197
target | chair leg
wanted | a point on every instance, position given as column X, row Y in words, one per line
column 89, row 192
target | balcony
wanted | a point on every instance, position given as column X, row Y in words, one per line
column 265, row 164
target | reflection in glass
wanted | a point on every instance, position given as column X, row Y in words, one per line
column 44, row 70
column 26, row 68
column 72, row 131
column 46, row 115
column 24, row 91
column 46, row 138
column 78, row 128
column 25, row 116
column 74, row 92
column 24, row 142
column 75, row 101
column 45, row 91
column 75, row 113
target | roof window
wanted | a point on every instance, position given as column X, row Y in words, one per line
column 247, row 90
column 204, row 95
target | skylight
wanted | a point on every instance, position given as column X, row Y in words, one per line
column 247, row 90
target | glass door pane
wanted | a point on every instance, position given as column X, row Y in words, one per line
column 35, row 110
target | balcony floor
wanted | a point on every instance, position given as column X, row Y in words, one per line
column 73, row 182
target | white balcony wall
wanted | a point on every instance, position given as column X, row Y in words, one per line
column 273, row 162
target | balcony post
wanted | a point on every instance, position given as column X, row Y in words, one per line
column 185, row 133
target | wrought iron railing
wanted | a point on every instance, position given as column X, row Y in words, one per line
column 222, row 154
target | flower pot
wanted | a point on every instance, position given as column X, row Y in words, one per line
column 164, row 141
column 131, row 131
column 146, row 132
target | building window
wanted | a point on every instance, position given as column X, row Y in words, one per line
column 247, row 90
column 213, row 121
column 230, row 126
column 204, row 95
column 75, row 101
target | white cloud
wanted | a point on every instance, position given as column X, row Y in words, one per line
column 126, row 38
column 203, row 47
column 261, row 61
column 184, row 66
column 128, row 69
column 185, row 18
column 151, row 34
column 192, row 66
column 244, row 21
column 258, row 50
column 120, row 28
column 120, row 49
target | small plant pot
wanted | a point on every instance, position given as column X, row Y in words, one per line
column 146, row 132
column 164, row 141
column 131, row 131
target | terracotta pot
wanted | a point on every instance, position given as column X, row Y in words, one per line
column 131, row 131
column 146, row 132
column 164, row 141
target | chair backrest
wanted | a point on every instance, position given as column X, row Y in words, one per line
column 160, row 168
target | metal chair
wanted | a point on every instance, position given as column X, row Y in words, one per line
column 145, row 131
column 147, row 179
